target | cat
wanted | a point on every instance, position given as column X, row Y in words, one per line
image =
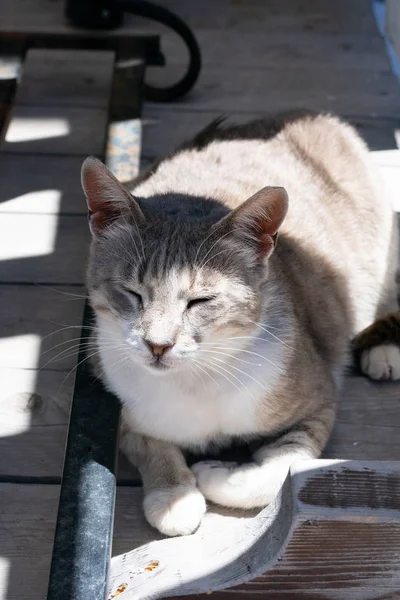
column 227, row 287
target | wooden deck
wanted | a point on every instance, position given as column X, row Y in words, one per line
column 259, row 57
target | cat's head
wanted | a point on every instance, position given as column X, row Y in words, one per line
column 173, row 277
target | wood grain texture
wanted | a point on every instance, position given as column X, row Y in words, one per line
column 51, row 184
column 56, row 130
column 277, row 88
column 163, row 131
column 66, row 78
column 283, row 16
column 43, row 248
column 337, row 544
column 333, row 544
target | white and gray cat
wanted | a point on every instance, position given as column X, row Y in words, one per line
column 210, row 329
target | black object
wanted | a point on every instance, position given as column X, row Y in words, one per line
column 94, row 14
column 82, row 547
column 107, row 14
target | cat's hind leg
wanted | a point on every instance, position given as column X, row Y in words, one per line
column 377, row 348
column 257, row 484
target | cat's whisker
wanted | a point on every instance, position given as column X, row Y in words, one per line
column 128, row 229
column 263, row 328
column 209, row 250
column 246, row 374
column 213, row 256
column 119, row 363
column 207, row 373
column 247, row 352
column 138, row 232
column 213, row 231
column 77, row 339
column 211, row 364
column 197, row 373
column 65, row 327
column 76, row 366
column 74, row 350
column 47, row 287
column 231, row 356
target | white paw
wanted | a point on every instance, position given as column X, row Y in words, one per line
column 229, row 484
column 381, row 362
column 176, row 510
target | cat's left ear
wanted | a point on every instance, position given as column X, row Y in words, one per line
column 106, row 197
column 257, row 221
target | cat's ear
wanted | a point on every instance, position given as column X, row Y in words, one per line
column 258, row 219
column 106, row 197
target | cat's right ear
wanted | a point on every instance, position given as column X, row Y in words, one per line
column 106, row 197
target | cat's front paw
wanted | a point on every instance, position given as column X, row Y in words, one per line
column 223, row 483
column 381, row 362
column 176, row 510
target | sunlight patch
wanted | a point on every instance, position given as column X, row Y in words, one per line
column 41, row 201
column 388, row 162
column 16, row 400
column 4, row 572
column 20, row 351
column 27, row 235
column 23, row 129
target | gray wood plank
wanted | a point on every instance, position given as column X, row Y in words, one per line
column 56, row 130
column 283, row 16
column 276, row 15
column 41, row 184
column 43, row 248
column 46, row 16
column 163, row 130
column 336, row 50
column 66, row 78
column 28, row 515
column 351, row 532
column 37, row 323
column 277, row 88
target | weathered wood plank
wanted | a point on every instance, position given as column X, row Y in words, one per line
column 276, row 88
column 34, row 416
column 41, row 184
column 287, row 49
column 335, row 530
column 37, row 324
column 162, row 131
column 66, row 78
column 283, row 16
column 43, row 248
column 276, row 15
column 55, row 130
column 344, row 547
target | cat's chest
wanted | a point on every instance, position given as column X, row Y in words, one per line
column 161, row 409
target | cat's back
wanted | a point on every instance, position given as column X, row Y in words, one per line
column 338, row 208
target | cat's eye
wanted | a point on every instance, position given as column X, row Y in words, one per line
column 196, row 301
column 135, row 295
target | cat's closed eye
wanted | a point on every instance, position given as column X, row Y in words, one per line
column 135, row 295
column 196, row 301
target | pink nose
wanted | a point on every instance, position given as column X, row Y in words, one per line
column 156, row 349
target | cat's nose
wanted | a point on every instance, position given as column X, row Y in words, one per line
column 156, row 349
